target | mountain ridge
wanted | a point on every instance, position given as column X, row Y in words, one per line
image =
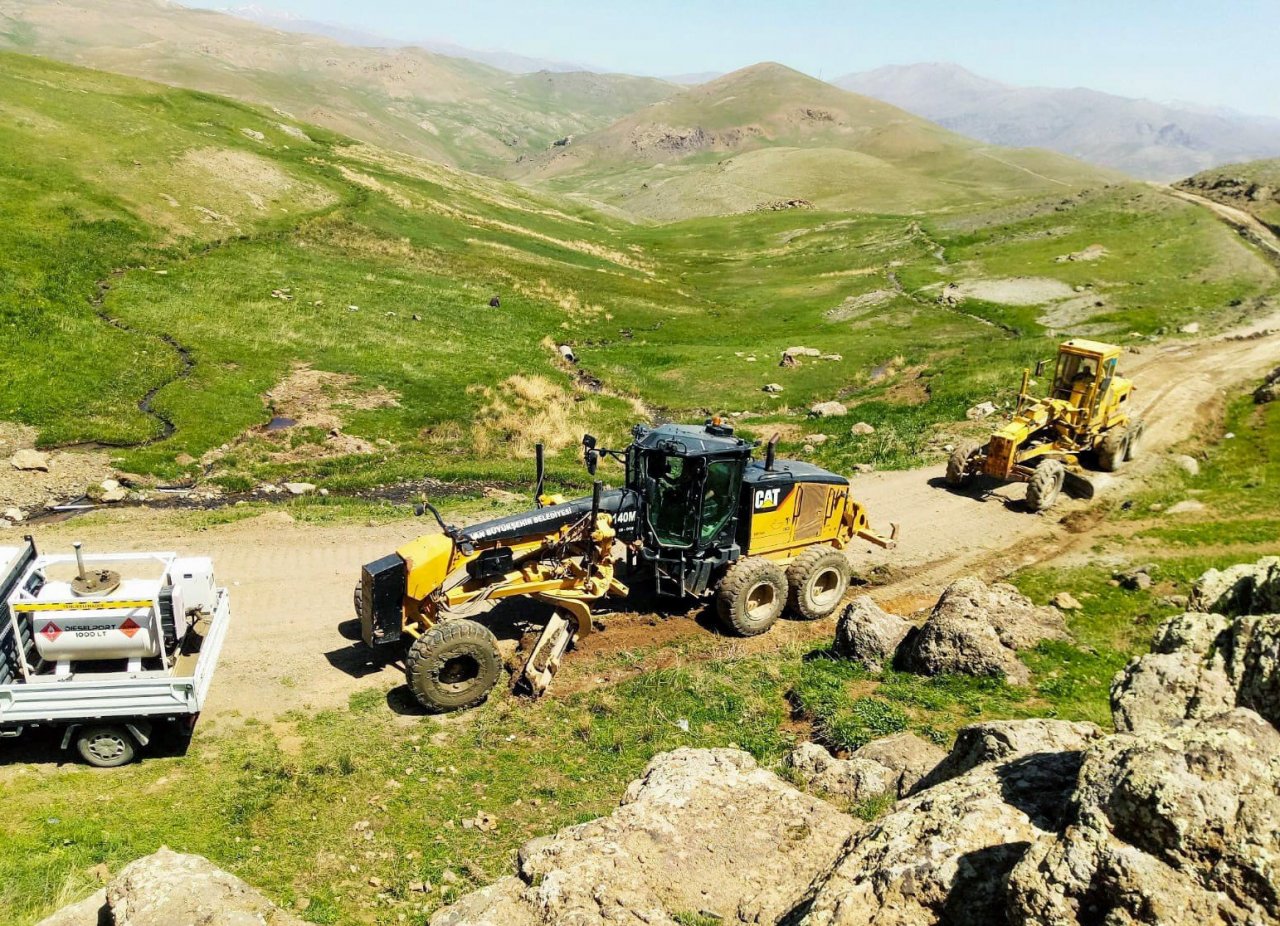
column 1146, row 139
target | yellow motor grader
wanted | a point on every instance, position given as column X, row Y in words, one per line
column 1087, row 411
column 696, row 516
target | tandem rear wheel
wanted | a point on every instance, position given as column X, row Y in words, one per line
column 819, row 578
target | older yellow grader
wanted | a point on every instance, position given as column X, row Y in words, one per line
column 1086, row 412
column 696, row 516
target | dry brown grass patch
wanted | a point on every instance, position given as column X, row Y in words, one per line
column 524, row 411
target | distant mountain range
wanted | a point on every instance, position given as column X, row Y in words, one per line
column 1154, row 141
column 505, row 60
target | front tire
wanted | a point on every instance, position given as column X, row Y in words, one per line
column 958, row 472
column 818, row 578
column 1045, row 485
column 453, row 666
column 751, row 596
column 106, row 746
column 1113, row 448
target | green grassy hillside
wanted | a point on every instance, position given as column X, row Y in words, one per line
column 767, row 134
column 447, row 109
column 178, row 269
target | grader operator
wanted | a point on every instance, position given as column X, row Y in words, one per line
column 696, row 516
column 1086, row 412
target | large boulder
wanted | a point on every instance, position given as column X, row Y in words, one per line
column 703, row 833
column 1173, row 826
column 1016, row 619
column 1002, row 740
column 168, row 888
column 954, row 643
column 943, row 855
column 1253, row 665
column 1246, row 588
column 976, row 629
column 869, row 635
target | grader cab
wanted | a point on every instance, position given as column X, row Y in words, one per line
column 695, row 516
column 1087, row 412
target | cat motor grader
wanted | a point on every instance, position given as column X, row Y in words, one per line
column 697, row 515
column 1087, row 411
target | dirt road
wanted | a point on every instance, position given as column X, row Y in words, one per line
column 1245, row 223
column 291, row 583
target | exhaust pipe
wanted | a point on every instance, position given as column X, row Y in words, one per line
column 769, row 452
column 79, row 560
column 541, row 477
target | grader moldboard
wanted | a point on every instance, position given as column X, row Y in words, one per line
column 1086, row 412
column 697, row 515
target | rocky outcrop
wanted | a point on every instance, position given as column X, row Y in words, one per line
column 869, row 635
column 943, row 855
column 892, row 765
column 976, row 629
column 704, row 833
column 1002, row 740
column 168, row 888
column 851, row 780
column 1201, row 665
column 1269, row 391
column 1173, row 826
column 1247, row 588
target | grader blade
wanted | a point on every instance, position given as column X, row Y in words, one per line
column 547, row 654
column 1086, row 485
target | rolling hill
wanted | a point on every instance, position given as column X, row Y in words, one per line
column 767, row 135
column 1253, row 186
column 1143, row 138
column 448, row 109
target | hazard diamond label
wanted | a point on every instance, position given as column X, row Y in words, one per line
column 129, row 628
column 51, row 631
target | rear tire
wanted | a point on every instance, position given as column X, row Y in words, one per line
column 1113, row 448
column 106, row 745
column 453, row 666
column 1045, row 485
column 958, row 472
column 751, row 596
column 818, row 578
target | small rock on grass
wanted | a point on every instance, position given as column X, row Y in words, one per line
column 1065, row 601
column 828, row 410
column 862, row 429
column 299, row 488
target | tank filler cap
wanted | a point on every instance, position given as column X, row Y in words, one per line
column 89, row 583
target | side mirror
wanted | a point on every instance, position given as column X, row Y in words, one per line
column 589, row 441
column 592, row 459
column 1040, row 367
column 419, row 510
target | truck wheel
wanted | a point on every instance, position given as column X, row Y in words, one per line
column 106, row 746
column 958, row 473
column 1112, row 448
column 453, row 665
column 1045, row 485
column 818, row 577
column 1133, row 450
column 751, row 596
column 356, row 597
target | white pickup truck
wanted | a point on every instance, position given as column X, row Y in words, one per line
column 116, row 649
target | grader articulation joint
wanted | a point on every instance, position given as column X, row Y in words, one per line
column 695, row 516
column 1087, row 412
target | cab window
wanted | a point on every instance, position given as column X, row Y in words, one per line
column 1075, row 376
column 719, row 498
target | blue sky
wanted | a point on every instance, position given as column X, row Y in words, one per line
column 1221, row 53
